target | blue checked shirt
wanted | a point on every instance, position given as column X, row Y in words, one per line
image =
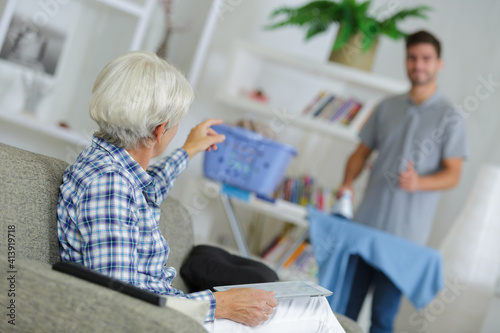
column 109, row 213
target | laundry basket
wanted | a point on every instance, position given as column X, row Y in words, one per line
column 248, row 160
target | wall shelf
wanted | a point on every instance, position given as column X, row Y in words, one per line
column 53, row 131
column 291, row 82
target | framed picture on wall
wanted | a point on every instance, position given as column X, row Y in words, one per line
column 33, row 33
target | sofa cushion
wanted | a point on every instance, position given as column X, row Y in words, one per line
column 29, row 184
column 50, row 301
column 208, row 266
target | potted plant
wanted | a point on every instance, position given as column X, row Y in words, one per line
column 358, row 32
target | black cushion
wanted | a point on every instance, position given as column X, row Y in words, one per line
column 208, row 266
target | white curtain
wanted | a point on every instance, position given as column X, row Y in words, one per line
column 471, row 256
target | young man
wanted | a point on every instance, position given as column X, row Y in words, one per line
column 420, row 139
column 108, row 210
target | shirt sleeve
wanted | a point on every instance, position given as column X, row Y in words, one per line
column 166, row 171
column 368, row 134
column 108, row 228
column 205, row 295
column 455, row 138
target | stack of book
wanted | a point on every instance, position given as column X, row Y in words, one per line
column 304, row 191
column 301, row 261
column 334, row 109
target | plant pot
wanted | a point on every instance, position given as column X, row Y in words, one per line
column 352, row 55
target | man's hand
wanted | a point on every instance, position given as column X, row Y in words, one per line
column 344, row 188
column 202, row 137
column 409, row 179
column 247, row 306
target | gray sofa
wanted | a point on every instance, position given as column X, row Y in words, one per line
column 50, row 301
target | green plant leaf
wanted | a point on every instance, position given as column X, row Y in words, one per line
column 405, row 13
column 344, row 34
column 370, row 30
column 316, row 27
column 316, row 16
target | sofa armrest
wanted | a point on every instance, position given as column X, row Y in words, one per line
column 50, row 301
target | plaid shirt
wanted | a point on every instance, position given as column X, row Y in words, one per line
column 108, row 217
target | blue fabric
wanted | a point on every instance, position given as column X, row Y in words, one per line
column 109, row 214
column 414, row 269
column 386, row 297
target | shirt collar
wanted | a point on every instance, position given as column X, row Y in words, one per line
column 120, row 155
column 432, row 99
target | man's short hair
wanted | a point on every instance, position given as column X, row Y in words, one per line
column 423, row 36
column 135, row 93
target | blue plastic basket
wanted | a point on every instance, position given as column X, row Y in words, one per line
column 248, row 160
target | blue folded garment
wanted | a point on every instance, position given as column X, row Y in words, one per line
column 415, row 269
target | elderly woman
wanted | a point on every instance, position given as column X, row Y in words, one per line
column 108, row 210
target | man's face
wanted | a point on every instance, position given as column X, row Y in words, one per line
column 422, row 63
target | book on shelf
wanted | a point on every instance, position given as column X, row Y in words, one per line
column 323, row 103
column 313, row 102
column 277, row 252
column 270, row 246
column 301, row 261
column 362, row 116
column 341, row 110
column 303, row 191
column 351, row 113
column 332, row 108
column 295, row 254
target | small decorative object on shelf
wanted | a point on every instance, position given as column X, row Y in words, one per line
column 36, row 87
column 358, row 32
column 258, row 95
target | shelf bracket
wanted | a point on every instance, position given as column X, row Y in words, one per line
column 235, row 226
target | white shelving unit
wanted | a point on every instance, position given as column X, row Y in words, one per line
column 291, row 82
column 139, row 13
column 53, row 131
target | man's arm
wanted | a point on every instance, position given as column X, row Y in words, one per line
column 354, row 166
column 446, row 178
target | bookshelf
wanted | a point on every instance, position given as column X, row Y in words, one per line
column 86, row 50
column 280, row 210
column 291, row 83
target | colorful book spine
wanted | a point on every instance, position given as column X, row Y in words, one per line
column 298, row 251
column 352, row 113
column 322, row 104
column 342, row 110
column 313, row 102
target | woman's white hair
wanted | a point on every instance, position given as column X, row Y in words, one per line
column 135, row 93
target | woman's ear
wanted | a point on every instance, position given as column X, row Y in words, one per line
column 159, row 131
